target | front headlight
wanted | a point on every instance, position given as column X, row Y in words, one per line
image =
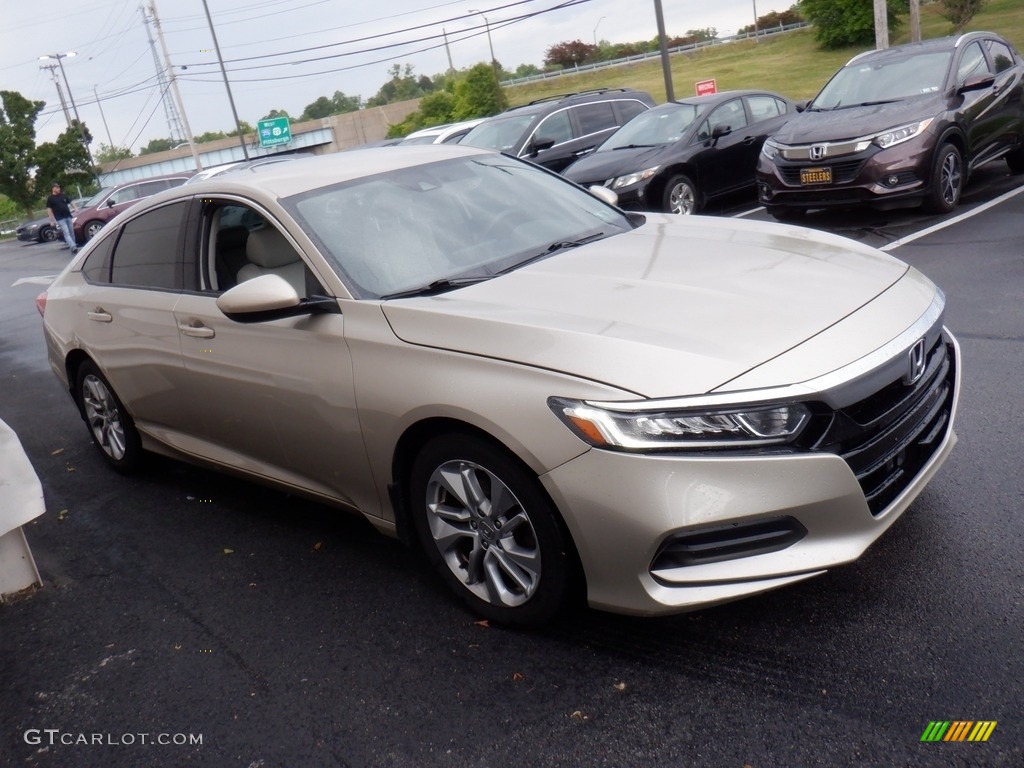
column 661, row 430
column 770, row 149
column 904, row 133
column 634, row 178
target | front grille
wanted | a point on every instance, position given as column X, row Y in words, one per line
column 842, row 173
column 888, row 437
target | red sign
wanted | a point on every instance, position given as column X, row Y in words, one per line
column 704, row 87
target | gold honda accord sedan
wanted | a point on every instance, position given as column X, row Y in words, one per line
column 554, row 398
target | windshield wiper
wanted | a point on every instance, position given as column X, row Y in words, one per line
column 636, row 146
column 438, row 286
column 555, row 247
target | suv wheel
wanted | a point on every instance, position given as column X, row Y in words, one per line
column 1015, row 161
column 947, row 180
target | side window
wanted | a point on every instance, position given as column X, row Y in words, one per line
column 242, row 245
column 131, row 192
column 972, row 62
column 765, row 107
column 594, row 118
column 148, row 252
column 729, row 115
column 148, row 188
column 97, row 266
column 555, row 127
column 172, row 183
column 628, row 109
column 1001, row 55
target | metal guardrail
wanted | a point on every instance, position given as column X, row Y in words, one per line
column 761, row 33
column 8, row 227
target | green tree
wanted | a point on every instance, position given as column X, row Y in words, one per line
column 63, row 162
column 108, row 154
column 960, row 12
column 276, row 113
column 17, row 147
column 158, row 145
column 322, row 107
column 479, row 94
column 202, row 138
column 840, row 23
column 402, row 86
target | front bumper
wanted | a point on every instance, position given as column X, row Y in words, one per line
column 622, row 509
column 881, row 178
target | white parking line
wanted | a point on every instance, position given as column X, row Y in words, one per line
column 748, row 213
column 955, row 220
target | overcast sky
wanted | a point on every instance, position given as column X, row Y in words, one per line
column 315, row 47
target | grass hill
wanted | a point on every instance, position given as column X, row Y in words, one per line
column 791, row 64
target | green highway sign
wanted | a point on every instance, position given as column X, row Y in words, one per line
column 274, row 131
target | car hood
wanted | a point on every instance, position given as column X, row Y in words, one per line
column 853, row 122
column 678, row 306
column 607, row 164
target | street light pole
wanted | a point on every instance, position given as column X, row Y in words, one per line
column 224, row 72
column 595, row 29
column 67, row 86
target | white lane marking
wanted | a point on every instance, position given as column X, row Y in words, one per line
column 748, row 213
column 39, row 280
column 955, row 220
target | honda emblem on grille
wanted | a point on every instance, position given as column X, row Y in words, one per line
column 817, row 151
column 917, row 363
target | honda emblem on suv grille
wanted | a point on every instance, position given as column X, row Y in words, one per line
column 817, row 151
column 917, row 363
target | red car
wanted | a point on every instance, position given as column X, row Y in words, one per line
column 110, row 201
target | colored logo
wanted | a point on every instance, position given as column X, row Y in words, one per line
column 958, row 730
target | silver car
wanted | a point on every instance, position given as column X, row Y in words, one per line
column 553, row 398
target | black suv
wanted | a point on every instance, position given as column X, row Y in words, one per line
column 555, row 131
column 899, row 127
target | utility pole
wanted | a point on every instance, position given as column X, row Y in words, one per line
column 174, row 128
column 755, row 20
column 663, row 45
column 60, row 92
column 881, row 25
column 106, row 127
column 81, row 128
column 174, row 86
column 224, row 72
column 448, row 50
column 915, row 21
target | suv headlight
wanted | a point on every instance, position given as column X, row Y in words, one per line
column 770, row 149
column 634, row 178
column 904, row 133
column 664, row 430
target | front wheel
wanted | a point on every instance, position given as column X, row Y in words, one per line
column 681, row 196
column 48, row 234
column 947, row 180
column 109, row 424
column 489, row 529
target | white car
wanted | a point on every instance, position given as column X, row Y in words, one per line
column 449, row 133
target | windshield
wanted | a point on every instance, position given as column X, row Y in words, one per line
column 501, row 133
column 97, row 198
column 870, row 82
column 662, row 125
column 463, row 217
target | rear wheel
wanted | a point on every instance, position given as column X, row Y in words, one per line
column 1015, row 161
column 947, row 180
column 110, row 426
column 89, row 230
column 681, row 196
column 490, row 531
column 47, row 234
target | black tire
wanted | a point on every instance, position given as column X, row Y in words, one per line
column 1015, row 161
column 91, row 228
column 48, row 234
column 948, row 177
column 681, row 196
column 786, row 213
column 109, row 424
column 489, row 529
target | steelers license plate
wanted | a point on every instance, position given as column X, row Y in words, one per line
column 815, row 175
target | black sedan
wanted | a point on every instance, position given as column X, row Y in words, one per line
column 678, row 156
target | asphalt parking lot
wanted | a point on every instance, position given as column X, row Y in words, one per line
column 187, row 618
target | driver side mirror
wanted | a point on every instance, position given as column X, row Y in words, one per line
column 269, row 297
column 976, row 83
column 718, row 132
column 539, row 145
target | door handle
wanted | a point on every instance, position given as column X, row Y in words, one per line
column 198, row 331
column 99, row 315
column 749, row 140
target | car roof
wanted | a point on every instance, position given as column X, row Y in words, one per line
column 935, row 44
column 720, row 96
column 559, row 100
column 300, row 175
